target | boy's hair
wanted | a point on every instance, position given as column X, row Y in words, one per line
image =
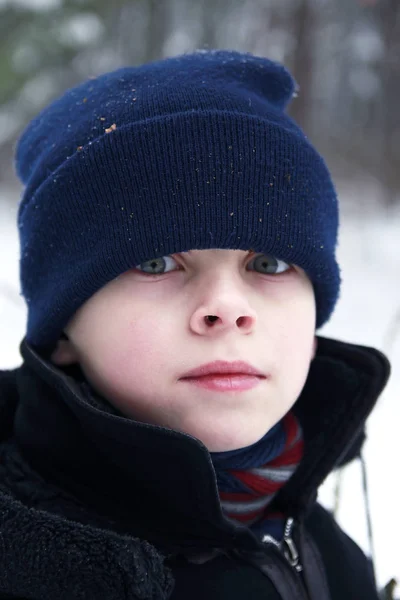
column 190, row 152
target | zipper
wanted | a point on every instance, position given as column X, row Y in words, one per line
column 287, row 545
column 286, row 571
column 288, row 549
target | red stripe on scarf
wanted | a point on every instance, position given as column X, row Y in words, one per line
column 247, row 517
column 259, row 485
column 291, row 457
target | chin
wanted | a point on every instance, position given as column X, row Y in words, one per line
column 224, row 443
column 226, row 432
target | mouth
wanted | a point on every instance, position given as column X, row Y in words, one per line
column 225, row 382
column 222, row 367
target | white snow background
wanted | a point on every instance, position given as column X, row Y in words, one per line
column 368, row 312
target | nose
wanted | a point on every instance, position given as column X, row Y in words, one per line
column 223, row 314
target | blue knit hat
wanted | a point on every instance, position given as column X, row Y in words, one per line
column 189, row 152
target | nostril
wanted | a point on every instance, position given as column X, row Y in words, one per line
column 211, row 318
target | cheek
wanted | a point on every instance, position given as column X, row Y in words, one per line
column 132, row 356
column 148, row 343
column 295, row 344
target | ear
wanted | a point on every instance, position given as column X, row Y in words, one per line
column 64, row 352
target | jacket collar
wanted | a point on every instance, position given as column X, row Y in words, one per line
column 163, row 481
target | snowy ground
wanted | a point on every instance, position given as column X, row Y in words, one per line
column 368, row 313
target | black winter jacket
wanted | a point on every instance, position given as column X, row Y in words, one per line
column 96, row 506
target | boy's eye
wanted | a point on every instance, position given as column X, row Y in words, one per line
column 269, row 265
column 155, row 266
column 264, row 263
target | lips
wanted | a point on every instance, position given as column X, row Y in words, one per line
column 224, row 383
column 224, row 368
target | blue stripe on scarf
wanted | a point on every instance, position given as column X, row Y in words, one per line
column 264, row 450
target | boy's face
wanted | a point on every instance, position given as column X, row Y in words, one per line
column 137, row 337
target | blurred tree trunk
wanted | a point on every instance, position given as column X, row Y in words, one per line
column 389, row 12
column 211, row 10
column 157, row 30
column 303, row 27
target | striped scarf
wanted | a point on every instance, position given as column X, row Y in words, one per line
column 249, row 478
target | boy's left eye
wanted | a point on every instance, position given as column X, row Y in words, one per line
column 268, row 265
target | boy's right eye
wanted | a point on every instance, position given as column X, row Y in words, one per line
column 155, row 266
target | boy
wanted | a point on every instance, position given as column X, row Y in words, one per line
column 174, row 415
